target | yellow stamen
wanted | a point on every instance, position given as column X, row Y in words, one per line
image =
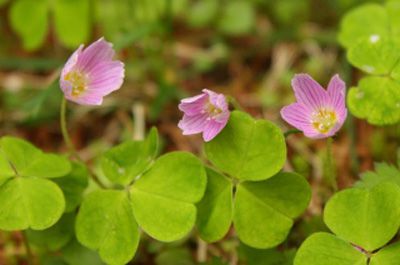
column 212, row 110
column 323, row 120
column 78, row 81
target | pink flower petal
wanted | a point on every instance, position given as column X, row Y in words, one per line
column 309, row 92
column 310, row 132
column 72, row 60
column 94, row 54
column 106, row 77
column 193, row 124
column 296, row 115
column 86, row 99
column 212, row 129
column 194, row 105
column 337, row 94
column 193, row 99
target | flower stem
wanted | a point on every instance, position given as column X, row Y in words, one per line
column 68, row 142
column 234, row 103
column 64, row 130
column 329, row 166
column 29, row 254
column 289, row 132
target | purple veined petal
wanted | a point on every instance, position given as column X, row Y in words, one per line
column 72, row 60
column 212, row 129
column 194, row 98
column 213, row 97
column 106, row 77
column 337, row 93
column 86, row 99
column 310, row 132
column 97, row 52
column 309, row 92
column 221, row 102
column 192, row 124
column 297, row 115
column 194, row 105
column 192, row 109
column 223, row 117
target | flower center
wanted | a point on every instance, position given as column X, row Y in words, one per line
column 323, row 120
column 78, row 81
column 212, row 110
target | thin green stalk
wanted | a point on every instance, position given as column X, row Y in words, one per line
column 329, row 166
column 64, row 130
column 68, row 142
column 30, row 257
column 234, row 103
column 289, row 132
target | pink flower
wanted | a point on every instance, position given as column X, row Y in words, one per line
column 90, row 74
column 207, row 113
column 319, row 113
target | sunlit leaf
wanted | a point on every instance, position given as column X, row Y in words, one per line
column 264, row 210
column 327, row 249
column 376, row 99
column 368, row 218
column 248, row 149
column 35, row 203
column 214, row 215
column 106, row 223
column 123, row 163
column 163, row 198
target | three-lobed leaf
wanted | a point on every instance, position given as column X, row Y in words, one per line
column 368, row 218
column 264, row 211
column 383, row 173
column 372, row 47
column 214, row 216
column 28, row 161
column 326, row 249
column 34, row 203
column 376, row 99
column 123, row 163
column 106, row 223
column 248, row 149
column 73, row 185
column 389, row 255
column 163, row 198
column 28, row 199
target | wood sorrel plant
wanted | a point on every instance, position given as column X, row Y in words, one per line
column 165, row 196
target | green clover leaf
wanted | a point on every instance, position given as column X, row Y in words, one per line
column 123, row 163
column 160, row 202
column 248, row 149
column 364, row 220
column 372, row 46
column 261, row 202
column 28, row 199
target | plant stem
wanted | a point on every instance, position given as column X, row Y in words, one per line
column 29, row 253
column 329, row 168
column 289, row 132
column 64, row 130
column 234, row 103
column 68, row 142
